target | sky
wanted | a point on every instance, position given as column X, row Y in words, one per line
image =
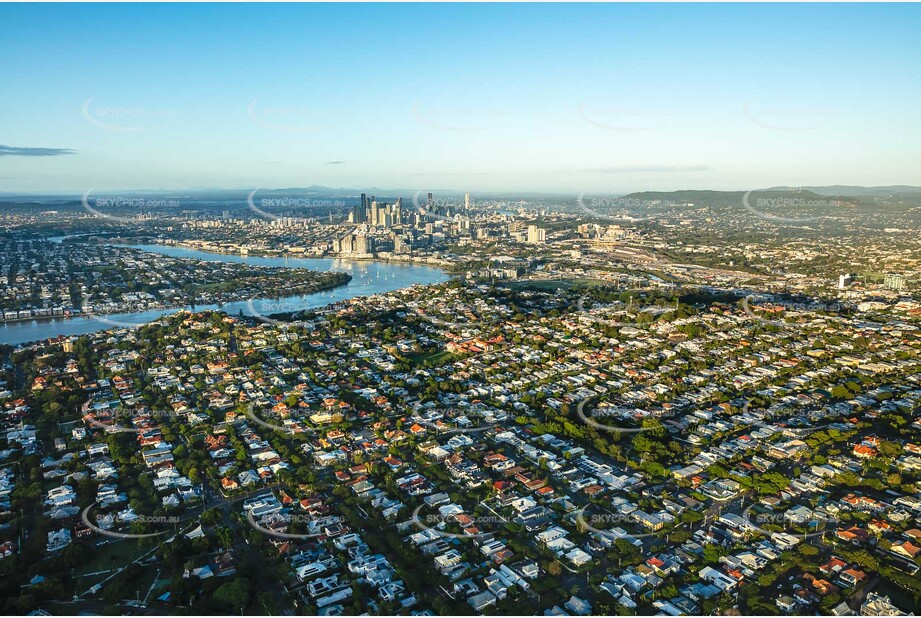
column 481, row 98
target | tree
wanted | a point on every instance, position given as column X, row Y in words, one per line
column 233, row 595
column 840, row 392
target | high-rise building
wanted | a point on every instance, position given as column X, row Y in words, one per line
column 536, row 235
column 360, row 212
column 895, row 281
column 362, row 245
column 374, row 213
column 466, row 201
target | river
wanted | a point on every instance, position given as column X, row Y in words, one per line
column 368, row 278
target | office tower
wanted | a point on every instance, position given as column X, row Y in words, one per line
column 431, row 202
column 466, row 201
column 360, row 212
column 536, row 235
column 374, row 213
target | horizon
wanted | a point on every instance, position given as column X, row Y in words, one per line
column 483, row 99
column 385, row 192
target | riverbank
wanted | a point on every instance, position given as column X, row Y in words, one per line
column 233, row 296
column 366, row 278
column 245, row 251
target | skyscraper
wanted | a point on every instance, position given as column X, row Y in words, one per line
column 360, row 212
column 374, row 213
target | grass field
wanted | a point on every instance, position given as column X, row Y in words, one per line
column 436, row 357
column 554, row 284
column 110, row 556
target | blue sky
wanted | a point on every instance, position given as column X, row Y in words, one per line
column 510, row 97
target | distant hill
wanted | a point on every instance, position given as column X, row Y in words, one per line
column 717, row 198
column 857, row 191
column 702, row 198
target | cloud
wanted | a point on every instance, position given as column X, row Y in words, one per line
column 628, row 169
column 335, row 162
column 449, row 174
column 18, row 151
